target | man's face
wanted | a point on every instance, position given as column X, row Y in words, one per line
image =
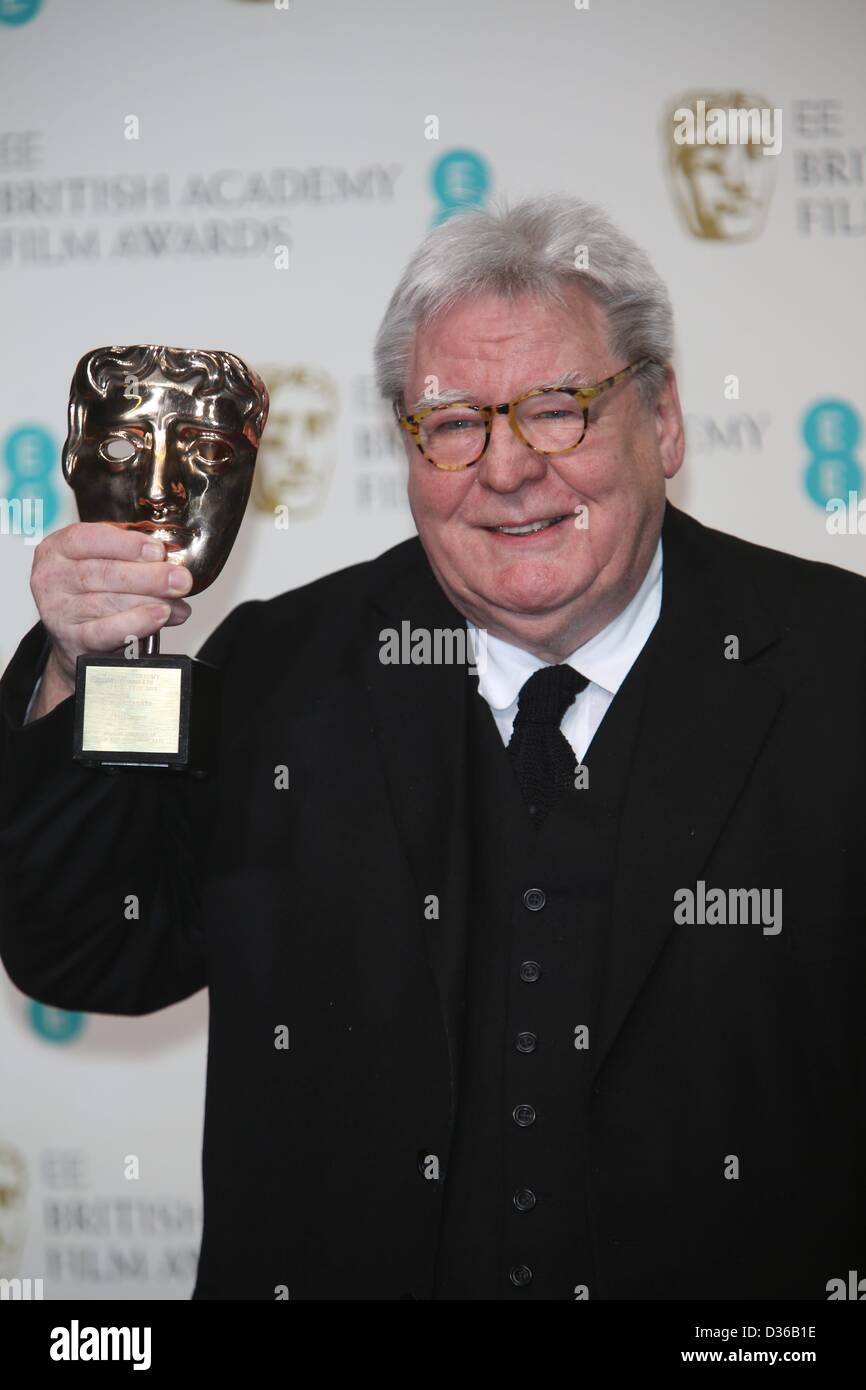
column 551, row 590
column 164, row 460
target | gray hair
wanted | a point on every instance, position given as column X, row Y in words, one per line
column 531, row 249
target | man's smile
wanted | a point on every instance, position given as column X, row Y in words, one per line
column 525, row 529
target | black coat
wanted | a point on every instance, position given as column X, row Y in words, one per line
column 305, row 908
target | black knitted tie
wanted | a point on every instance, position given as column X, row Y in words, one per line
column 544, row 760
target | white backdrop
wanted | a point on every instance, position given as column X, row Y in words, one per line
column 308, row 126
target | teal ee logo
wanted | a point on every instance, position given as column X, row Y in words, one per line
column 55, row 1025
column 460, row 182
column 30, row 455
column 18, row 11
column 832, row 432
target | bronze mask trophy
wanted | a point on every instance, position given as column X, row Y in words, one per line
column 163, row 441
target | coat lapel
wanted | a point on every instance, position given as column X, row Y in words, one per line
column 703, row 722
column 419, row 725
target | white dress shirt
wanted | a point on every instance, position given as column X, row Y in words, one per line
column 605, row 660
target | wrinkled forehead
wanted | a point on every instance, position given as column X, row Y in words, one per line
column 159, row 401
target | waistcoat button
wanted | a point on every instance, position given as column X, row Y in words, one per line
column 524, row 1115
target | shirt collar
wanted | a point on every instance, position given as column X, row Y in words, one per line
column 605, row 659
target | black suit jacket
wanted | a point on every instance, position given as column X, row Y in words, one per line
column 304, row 908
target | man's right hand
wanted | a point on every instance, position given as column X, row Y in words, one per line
column 96, row 585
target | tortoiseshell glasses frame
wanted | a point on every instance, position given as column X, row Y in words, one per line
column 582, row 395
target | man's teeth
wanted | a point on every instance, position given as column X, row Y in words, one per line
column 527, row 530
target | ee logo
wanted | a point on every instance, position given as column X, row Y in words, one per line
column 30, row 456
column 832, row 432
column 18, row 11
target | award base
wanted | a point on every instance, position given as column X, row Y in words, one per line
column 150, row 711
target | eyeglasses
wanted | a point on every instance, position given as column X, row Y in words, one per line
column 548, row 420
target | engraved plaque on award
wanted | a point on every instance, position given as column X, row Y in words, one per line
column 163, row 441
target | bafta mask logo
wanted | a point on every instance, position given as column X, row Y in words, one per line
column 13, row 1208
column 721, row 185
column 163, row 440
column 298, row 454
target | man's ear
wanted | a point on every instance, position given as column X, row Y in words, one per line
column 670, row 430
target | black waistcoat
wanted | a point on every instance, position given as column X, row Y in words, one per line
column 514, row 1221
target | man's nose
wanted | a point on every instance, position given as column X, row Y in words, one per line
column 508, row 463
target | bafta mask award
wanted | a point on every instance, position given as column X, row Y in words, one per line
column 163, row 441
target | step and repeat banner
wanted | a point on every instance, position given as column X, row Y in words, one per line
column 252, row 175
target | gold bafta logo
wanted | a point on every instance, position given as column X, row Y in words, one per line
column 297, row 454
column 721, row 185
column 13, row 1208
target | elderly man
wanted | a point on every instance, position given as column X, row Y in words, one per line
column 565, row 938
